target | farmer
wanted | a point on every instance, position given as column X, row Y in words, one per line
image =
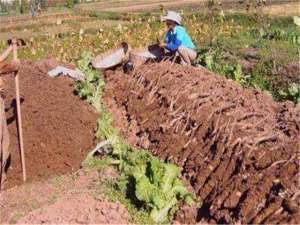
column 177, row 40
column 4, row 136
column 177, row 43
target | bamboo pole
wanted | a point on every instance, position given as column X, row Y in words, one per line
column 20, row 130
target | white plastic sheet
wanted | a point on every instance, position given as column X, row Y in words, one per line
column 61, row 70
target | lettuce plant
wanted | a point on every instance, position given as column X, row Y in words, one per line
column 154, row 183
column 91, row 88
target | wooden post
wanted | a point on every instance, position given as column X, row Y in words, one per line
column 20, row 130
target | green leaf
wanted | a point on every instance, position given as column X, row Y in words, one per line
column 238, row 75
column 294, row 89
column 157, row 171
column 171, row 173
column 144, row 190
column 160, row 200
column 208, row 59
column 183, row 193
column 162, row 215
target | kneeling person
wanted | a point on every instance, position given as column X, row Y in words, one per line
column 177, row 40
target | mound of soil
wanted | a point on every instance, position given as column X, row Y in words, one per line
column 237, row 147
column 69, row 199
column 58, row 127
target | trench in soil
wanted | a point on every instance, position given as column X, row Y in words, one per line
column 58, row 127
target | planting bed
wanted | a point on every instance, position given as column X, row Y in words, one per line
column 58, row 126
column 237, row 147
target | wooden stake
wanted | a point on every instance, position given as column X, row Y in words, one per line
column 20, row 125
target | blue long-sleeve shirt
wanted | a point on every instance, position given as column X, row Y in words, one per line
column 178, row 36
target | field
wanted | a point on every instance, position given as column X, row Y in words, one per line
column 213, row 143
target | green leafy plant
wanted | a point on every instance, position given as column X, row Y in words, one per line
column 113, row 193
column 156, row 184
column 158, row 187
column 291, row 93
column 70, row 4
column 258, row 80
column 234, row 72
column 277, row 34
column 293, row 37
column 211, row 59
column 207, row 57
column 91, row 88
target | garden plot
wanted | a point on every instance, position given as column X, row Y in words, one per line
column 58, row 126
column 236, row 146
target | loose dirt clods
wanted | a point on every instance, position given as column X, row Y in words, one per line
column 78, row 200
column 236, row 147
column 58, row 126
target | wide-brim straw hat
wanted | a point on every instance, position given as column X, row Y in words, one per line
column 174, row 16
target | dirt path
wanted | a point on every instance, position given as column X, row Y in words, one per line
column 237, row 147
column 76, row 198
column 58, row 126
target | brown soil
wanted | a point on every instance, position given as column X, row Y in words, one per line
column 58, row 127
column 76, row 198
column 236, row 147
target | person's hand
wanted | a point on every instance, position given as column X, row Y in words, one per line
column 162, row 45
